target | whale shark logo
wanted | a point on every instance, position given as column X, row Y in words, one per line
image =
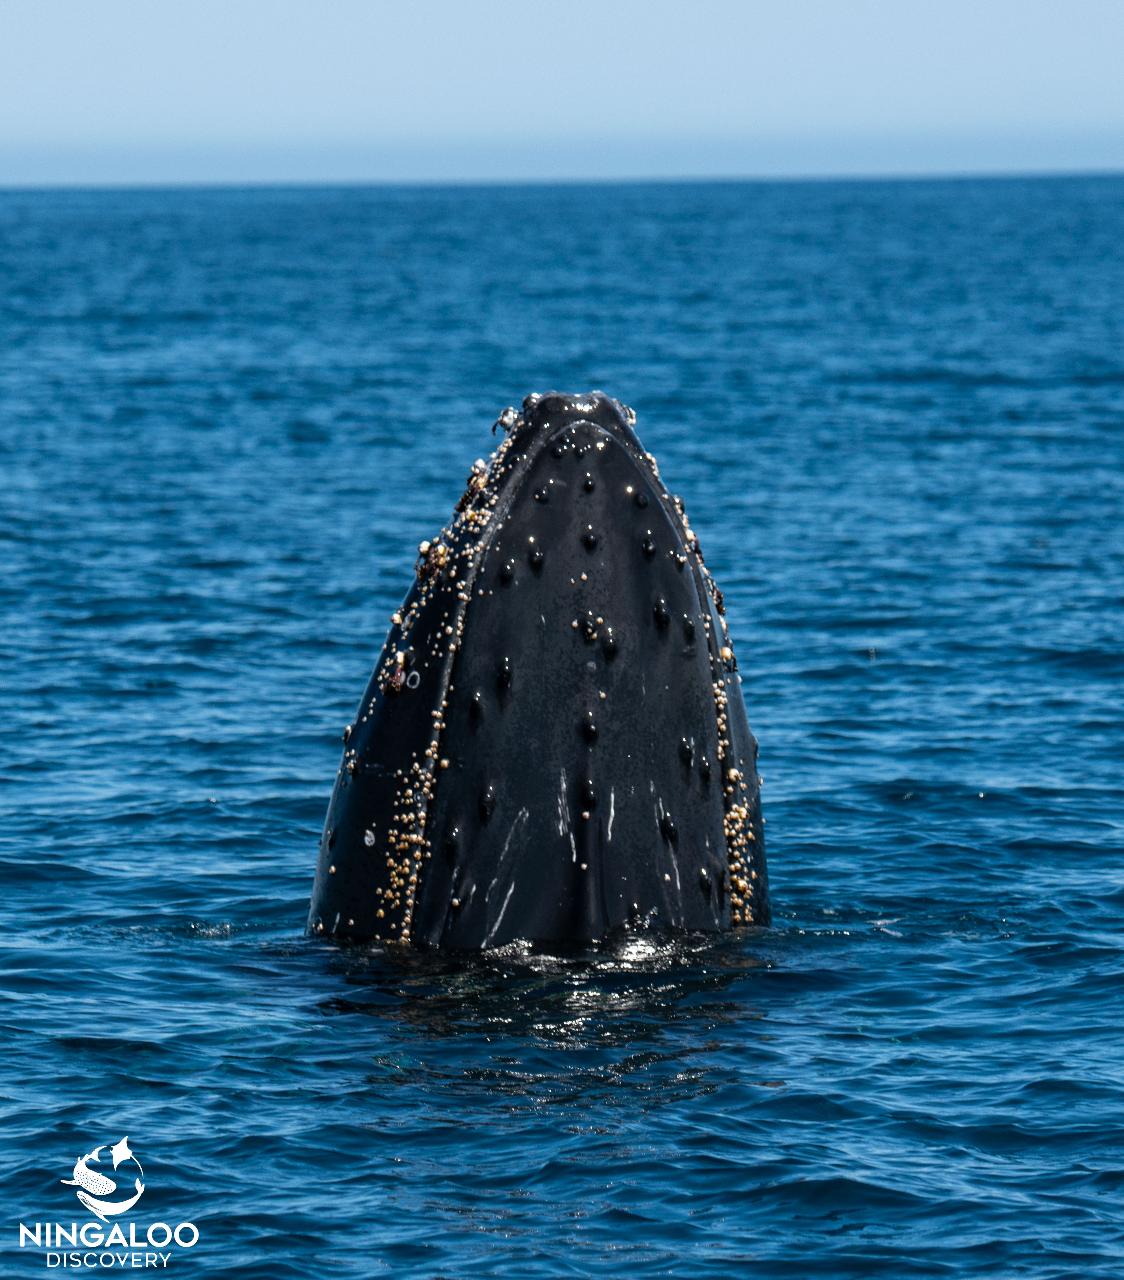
column 94, row 1186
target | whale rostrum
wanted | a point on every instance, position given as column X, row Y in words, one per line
column 553, row 746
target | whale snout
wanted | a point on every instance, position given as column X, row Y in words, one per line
column 559, row 409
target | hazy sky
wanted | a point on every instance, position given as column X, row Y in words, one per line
column 168, row 90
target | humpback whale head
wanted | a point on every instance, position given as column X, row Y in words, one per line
column 553, row 745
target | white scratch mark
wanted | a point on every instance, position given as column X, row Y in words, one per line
column 499, row 918
column 612, row 812
column 563, row 806
column 520, row 818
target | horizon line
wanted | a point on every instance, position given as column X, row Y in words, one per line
column 566, row 180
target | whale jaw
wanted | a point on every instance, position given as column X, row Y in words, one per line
column 553, row 746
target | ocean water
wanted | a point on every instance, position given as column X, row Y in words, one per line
column 895, row 414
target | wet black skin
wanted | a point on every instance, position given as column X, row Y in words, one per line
column 553, row 746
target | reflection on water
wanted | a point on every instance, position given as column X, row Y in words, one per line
column 630, row 991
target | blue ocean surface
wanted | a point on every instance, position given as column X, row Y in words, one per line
column 895, row 412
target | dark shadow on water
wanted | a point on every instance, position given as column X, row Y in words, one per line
column 637, row 1023
column 630, row 990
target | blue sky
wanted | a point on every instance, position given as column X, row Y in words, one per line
column 275, row 90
